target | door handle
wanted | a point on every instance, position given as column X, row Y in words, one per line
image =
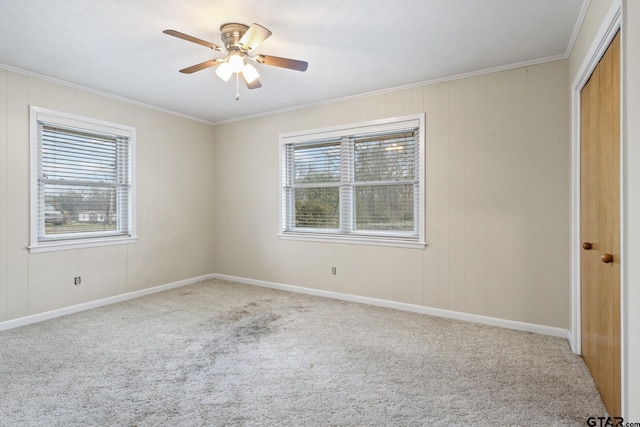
column 586, row 246
column 606, row 258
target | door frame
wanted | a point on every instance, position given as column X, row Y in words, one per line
column 608, row 29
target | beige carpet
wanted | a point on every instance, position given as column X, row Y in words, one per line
column 219, row 353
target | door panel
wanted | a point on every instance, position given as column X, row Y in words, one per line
column 600, row 226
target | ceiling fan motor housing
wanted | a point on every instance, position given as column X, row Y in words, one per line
column 231, row 35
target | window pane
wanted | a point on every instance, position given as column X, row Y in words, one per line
column 388, row 207
column 73, row 209
column 316, row 163
column 385, row 158
column 317, row 207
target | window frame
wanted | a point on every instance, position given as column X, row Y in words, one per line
column 91, row 125
column 352, row 236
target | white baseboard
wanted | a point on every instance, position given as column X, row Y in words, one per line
column 572, row 342
column 493, row 321
column 35, row 318
column 509, row 324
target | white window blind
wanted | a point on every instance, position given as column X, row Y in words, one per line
column 363, row 183
column 313, row 191
column 385, row 182
column 83, row 182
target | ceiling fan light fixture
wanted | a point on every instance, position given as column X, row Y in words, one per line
column 250, row 73
column 236, row 62
column 224, row 71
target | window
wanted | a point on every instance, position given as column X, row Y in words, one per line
column 82, row 182
column 360, row 183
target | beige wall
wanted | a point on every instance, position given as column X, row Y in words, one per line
column 631, row 271
column 173, row 210
column 497, row 200
column 590, row 25
column 631, row 52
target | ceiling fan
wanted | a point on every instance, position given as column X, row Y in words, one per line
column 239, row 41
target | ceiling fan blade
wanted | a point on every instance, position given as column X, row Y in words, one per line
column 201, row 66
column 189, row 38
column 292, row 64
column 255, row 35
column 254, row 84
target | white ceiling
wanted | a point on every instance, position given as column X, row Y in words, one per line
column 352, row 46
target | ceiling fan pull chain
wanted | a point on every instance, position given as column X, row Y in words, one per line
column 237, row 87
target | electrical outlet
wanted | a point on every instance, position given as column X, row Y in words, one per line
column 77, row 280
column 333, row 271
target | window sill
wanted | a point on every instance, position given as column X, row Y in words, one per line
column 65, row 245
column 354, row 240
